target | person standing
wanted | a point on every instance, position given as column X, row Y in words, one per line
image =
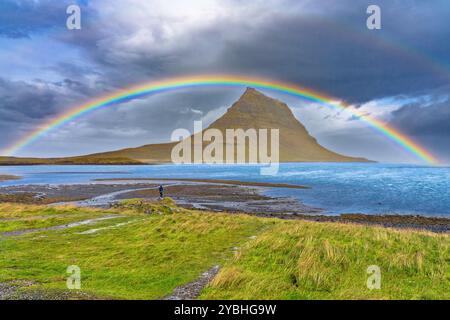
column 161, row 191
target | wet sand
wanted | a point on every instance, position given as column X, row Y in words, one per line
column 224, row 197
column 212, row 195
column 48, row 194
column 215, row 181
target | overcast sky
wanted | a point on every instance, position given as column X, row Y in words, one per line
column 399, row 74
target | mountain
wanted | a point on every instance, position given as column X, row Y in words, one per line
column 255, row 110
column 252, row 110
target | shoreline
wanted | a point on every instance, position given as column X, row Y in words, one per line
column 228, row 196
column 214, row 181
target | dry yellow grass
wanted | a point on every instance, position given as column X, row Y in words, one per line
column 310, row 260
column 5, row 177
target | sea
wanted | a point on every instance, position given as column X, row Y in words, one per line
column 370, row 188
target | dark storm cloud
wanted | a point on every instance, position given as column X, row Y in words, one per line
column 329, row 50
column 338, row 55
column 419, row 120
column 24, row 105
column 23, row 101
column 27, row 104
column 428, row 122
column 323, row 46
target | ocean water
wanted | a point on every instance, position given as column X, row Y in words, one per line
column 336, row 187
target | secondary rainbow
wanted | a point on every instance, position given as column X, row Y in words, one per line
column 155, row 87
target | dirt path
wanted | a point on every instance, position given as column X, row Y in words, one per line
column 193, row 289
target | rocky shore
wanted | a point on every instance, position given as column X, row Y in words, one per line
column 211, row 195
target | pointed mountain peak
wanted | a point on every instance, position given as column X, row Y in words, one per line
column 250, row 90
column 253, row 99
column 258, row 104
column 252, row 93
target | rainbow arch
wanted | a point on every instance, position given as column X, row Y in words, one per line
column 225, row 81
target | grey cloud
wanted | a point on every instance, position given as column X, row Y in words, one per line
column 140, row 121
column 155, row 117
column 419, row 120
column 26, row 104
column 328, row 50
column 428, row 123
column 24, row 101
column 355, row 67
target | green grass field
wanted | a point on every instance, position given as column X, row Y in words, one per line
column 26, row 217
column 152, row 248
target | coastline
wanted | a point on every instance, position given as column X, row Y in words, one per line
column 214, row 181
column 228, row 196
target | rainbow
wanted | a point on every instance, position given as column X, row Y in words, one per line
column 155, row 87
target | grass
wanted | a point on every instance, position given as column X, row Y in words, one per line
column 159, row 246
column 309, row 260
column 5, row 177
column 25, row 217
column 15, row 211
column 145, row 259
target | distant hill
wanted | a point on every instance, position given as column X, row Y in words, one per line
column 81, row 160
column 252, row 110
